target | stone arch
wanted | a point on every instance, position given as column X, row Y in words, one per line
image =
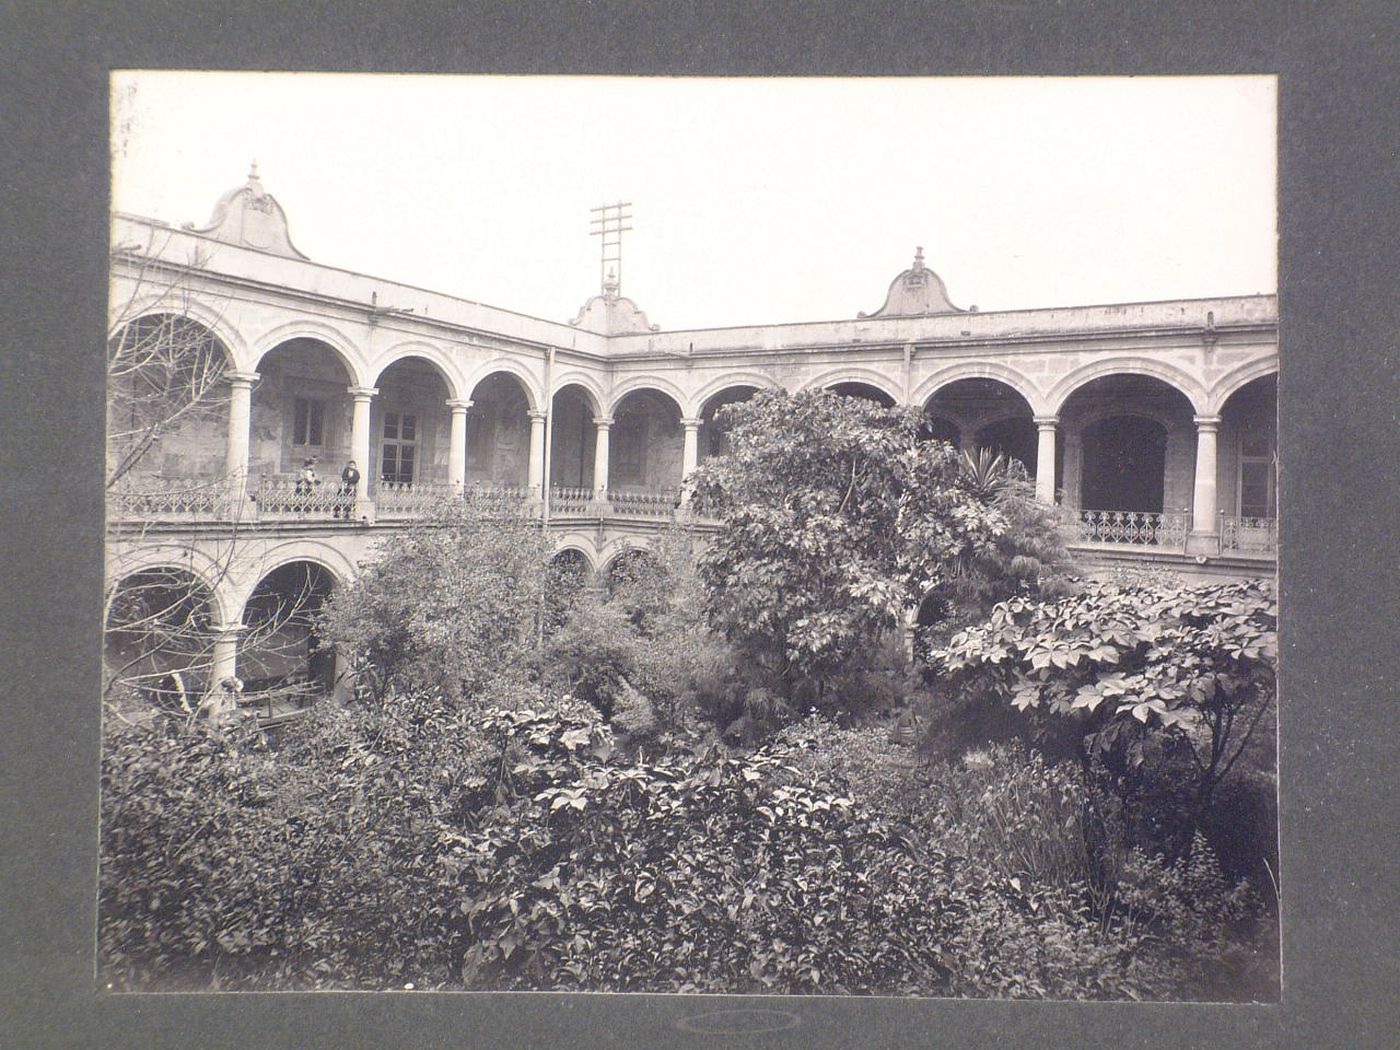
column 318, row 331
column 281, row 644
column 591, row 388
column 1236, row 379
column 1172, row 376
column 208, row 571
column 235, row 348
column 1087, row 417
column 868, row 376
column 653, row 384
column 441, row 361
column 529, row 384
column 725, row 382
column 582, row 542
column 571, row 545
column 615, row 549
column 1016, row 380
column 341, row 568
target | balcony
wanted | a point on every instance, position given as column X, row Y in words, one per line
column 1248, row 537
column 170, row 499
column 1134, row 528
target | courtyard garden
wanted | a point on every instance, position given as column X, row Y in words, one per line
column 876, row 735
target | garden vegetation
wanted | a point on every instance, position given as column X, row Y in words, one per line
column 715, row 771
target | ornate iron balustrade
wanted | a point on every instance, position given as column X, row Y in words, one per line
column 1134, row 528
column 572, row 501
column 652, row 505
column 171, row 497
column 1248, row 535
column 407, row 499
column 287, row 498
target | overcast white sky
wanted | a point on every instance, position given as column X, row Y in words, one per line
column 754, row 200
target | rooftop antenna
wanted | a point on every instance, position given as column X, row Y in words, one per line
column 608, row 224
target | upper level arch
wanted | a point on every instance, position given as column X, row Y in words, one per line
column 315, row 331
column 441, row 361
column 588, row 387
column 655, row 384
column 524, row 377
column 229, row 338
column 847, row 374
column 1238, row 378
column 1172, row 376
column 729, row 381
column 981, row 369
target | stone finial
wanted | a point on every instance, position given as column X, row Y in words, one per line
column 253, row 171
column 919, row 258
column 611, row 287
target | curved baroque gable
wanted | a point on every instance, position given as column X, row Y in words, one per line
column 250, row 217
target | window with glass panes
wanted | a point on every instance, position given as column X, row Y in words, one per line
column 398, row 447
column 1257, row 497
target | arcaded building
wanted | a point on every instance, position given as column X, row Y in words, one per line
column 1153, row 424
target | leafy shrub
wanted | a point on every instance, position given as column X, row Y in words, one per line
column 1165, row 687
column 455, row 600
column 516, row 847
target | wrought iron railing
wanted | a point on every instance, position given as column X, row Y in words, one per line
column 572, row 501
column 652, row 505
column 407, row 499
column 1248, row 535
column 288, row 498
column 1134, row 528
column 170, row 497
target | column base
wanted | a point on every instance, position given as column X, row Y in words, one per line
column 1207, row 543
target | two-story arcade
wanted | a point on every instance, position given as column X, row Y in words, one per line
column 1154, row 423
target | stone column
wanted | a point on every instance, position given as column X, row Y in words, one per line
column 240, row 417
column 690, row 454
column 223, row 665
column 359, row 437
column 1205, row 528
column 537, row 454
column 457, row 446
column 600, row 456
column 1045, row 458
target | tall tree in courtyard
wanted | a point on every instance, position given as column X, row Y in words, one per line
column 450, row 605
column 839, row 517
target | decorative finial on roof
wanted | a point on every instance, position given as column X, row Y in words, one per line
column 253, row 172
column 611, row 286
column 919, row 258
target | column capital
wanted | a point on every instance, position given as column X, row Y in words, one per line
column 227, row 631
column 242, row 378
column 692, row 423
column 362, row 392
column 603, row 421
column 537, row 417
column 459, row 404
column 1207, row 422
column 1046, row 422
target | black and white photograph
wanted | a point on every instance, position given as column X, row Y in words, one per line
column 692, row 535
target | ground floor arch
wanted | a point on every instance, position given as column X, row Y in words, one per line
column 159, row 637
column 281, row 654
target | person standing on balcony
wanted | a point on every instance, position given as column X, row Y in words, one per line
column 306, row 483
column 349, row 483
